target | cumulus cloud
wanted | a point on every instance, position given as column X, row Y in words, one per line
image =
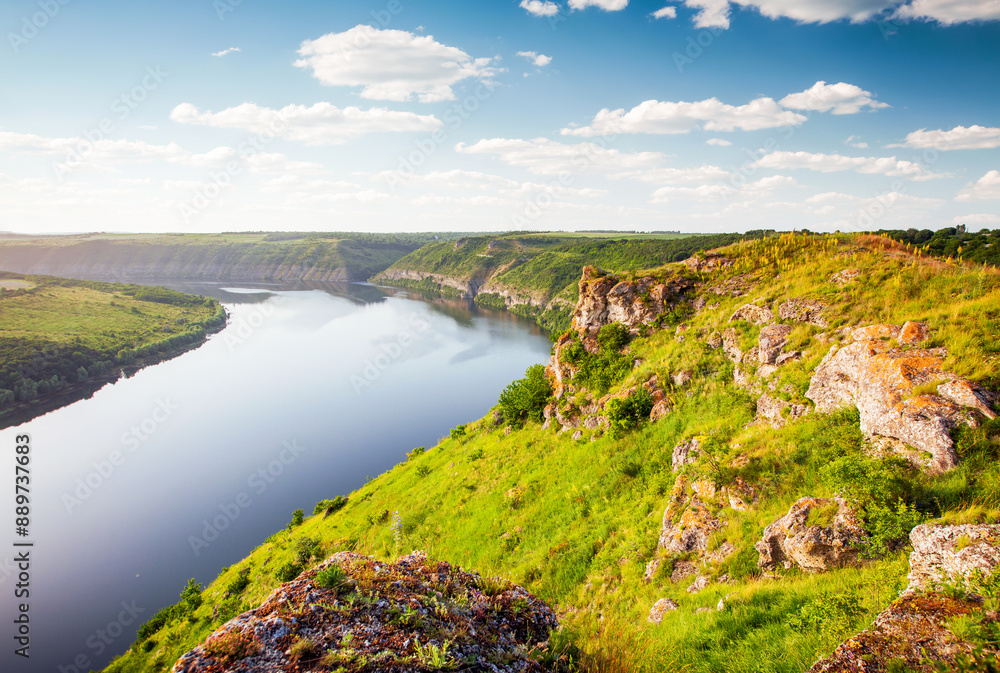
column 104, row 153
column 225, row 52
column 391, row 64
column 987, row 188
column 668, row 12
column 546, row 157
column 715, row 13
column 855, row 141
column 671, row 176
column 842, row 98
column 974, row 137
column 540, row 8
column 762, row 187
column 606, row 5
column 718, row 142
column 949, row 12
column 977, row 219
column 536, row 59
column 665, row 117
column 832, row 163
column 320, row 124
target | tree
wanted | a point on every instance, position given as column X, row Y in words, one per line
column 525, row 399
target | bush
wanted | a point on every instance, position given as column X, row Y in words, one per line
column 334, row 579
column 305, row 549
column 525, row 399
column 330, row 506
column 626, row 413
column 241, row 582
column 297, row 517
column 287, row 572
column 457, row 432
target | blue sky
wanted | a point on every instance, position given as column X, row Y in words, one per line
column 416, row 115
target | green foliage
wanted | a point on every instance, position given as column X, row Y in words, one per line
column 613, row 336
column 525, row 399
column 305, row 548
column 297, row 517
column 334, row 579
column 599, row 371
column 191, row 599
column 327, row 507
column 287, row 572
column 457, row 432
column 628, row 413
column 834, row 613
column 240, row 583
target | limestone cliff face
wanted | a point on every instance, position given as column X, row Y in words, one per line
column 606, row 298
column 467, row 288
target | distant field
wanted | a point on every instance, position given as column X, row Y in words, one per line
column 14, row 284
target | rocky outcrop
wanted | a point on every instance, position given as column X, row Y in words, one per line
column 915, row 629
column 951, row 554
column 659, row 609
column 466, row 288
column 771, row 341
column 809, row 542
column 385, row 616
column 809, row 311
column 777, row 412
column 844, row 277
column 685, row 453
column 708, row 262
column 606, row 298
column 758, row 315
column 880, row 377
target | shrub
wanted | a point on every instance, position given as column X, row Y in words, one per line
column 525, row 399
column 231, row 646
column 330, row 506
column 305, row 548
column 297, row 517
column 287, row 572
column 241, row 582
column 457, row 432
column 626, row 413
column 333, row 578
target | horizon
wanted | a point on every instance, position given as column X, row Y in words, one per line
column 387, row 116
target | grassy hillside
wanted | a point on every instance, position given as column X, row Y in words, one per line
column 247, row 256
column 577, row 521
column 536, row 275
column 59, row 337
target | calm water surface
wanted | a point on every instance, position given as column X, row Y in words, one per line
column 305, row 394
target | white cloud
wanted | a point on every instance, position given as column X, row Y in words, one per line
column 666, row 117
column 320, row 124
column 977, row 219
column 951, row 11
column 819, row 11
column 540, row 8
column 225, row 52
column 718, row 142
column 762, row 187
column 300, row 191
column 80, row 152
column 842, row 98
column 668, row 12
column 832, row 163
column 536, row 59
column 391, row 64
column 273, row 162
column 545, row 157
column 959, row 138
column 668, row 176
column 711, row 14
column 606, row 5
column 987, row 188
column 855, row 141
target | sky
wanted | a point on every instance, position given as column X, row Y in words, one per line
column 494, row 115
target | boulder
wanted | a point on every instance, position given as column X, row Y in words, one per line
column 684, row 453
column 844, row 277
column 742, row 496
column 484, row 631
column 730, row 345
column 808, row 311
column 878, row 377
column 710, row 261
column 951, row 554
column 700, row 582
column 777, row 412
column 758, row 315
column 691, row 533
column 659, row 609
column 792, row 540
column 772, row 339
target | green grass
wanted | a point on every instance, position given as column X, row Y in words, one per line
column 576, row 522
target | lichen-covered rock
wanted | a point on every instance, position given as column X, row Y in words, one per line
column 878, row 377
column 915, row 630
column 659, row 609
column 700, row 582
column 758, row 315
column 951, row 554
column 808, row 311
column 914, row 333
column 844, row 277
column 684, row 453
column 480, row 625
column 777, row 412
column 691, row 533
column 730, row 345
column 742, row 496
column 794, row 540
column 710, row 261
column 770, row 342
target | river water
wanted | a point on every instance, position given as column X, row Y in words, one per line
column 185, row 467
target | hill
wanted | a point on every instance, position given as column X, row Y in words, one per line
column 724, row 466
column 235, row 257
column 62, row 339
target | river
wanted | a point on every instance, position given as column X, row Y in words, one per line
column 304, row 395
